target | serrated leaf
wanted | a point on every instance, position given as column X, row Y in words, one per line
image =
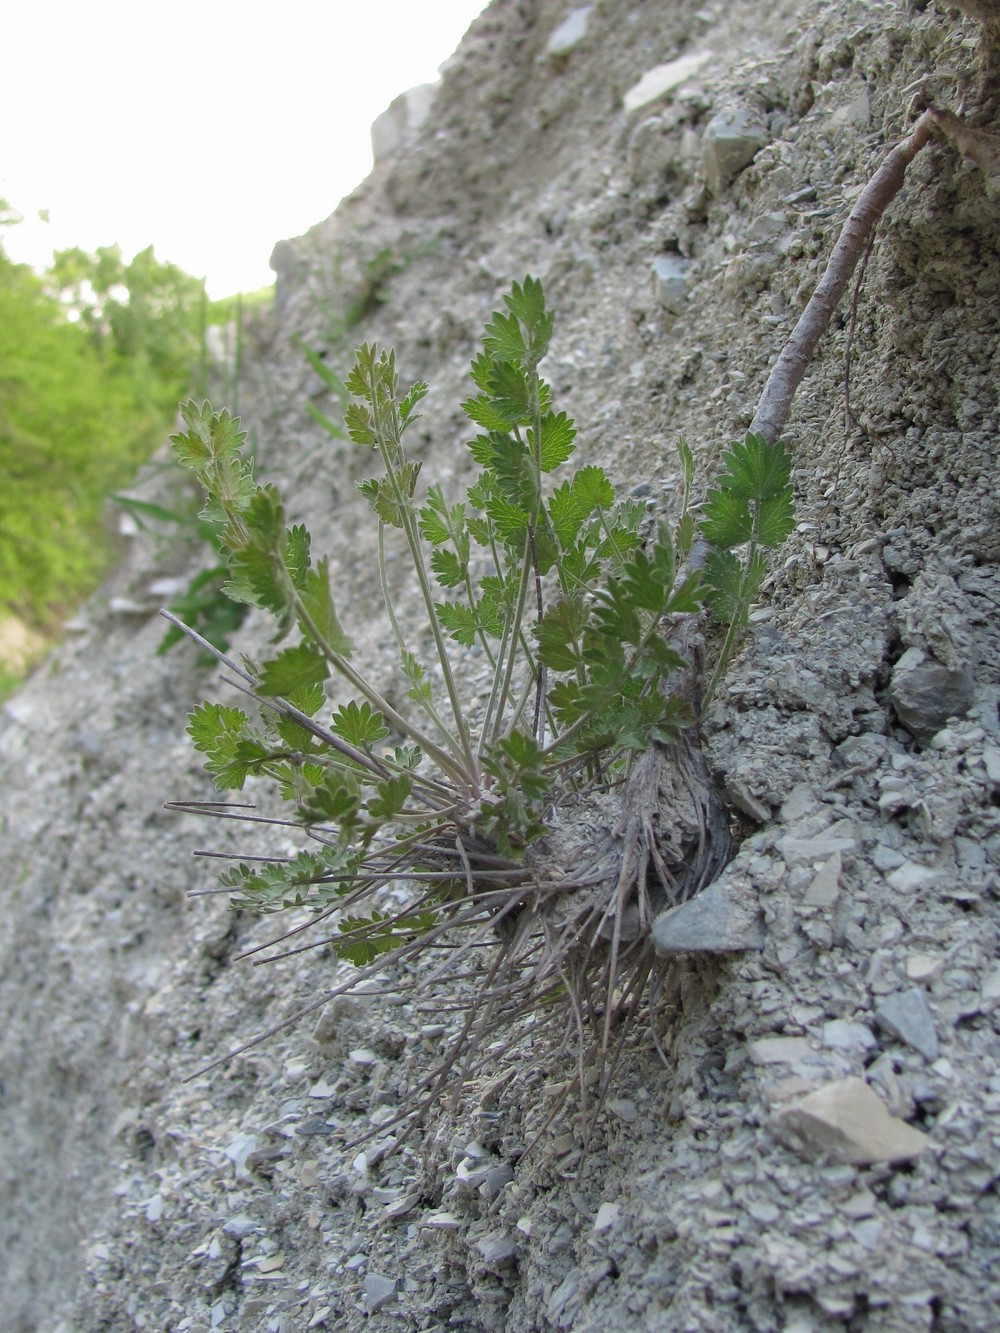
column 359, row 724
column 511, row 393
column 447, row 569
column 592, row 489
column 414, row 395
column 317, row 601
column 727, row 520
column 483, row 413
column 296, row 552
column 293, row 669
column 776, row 518
column 458, row 621
column 360, row 426
column 755, row 469
column 390, row 797
column 503, row 339
column 684, row 535
column 559, row 632
column 723, row 575
column 558, row 434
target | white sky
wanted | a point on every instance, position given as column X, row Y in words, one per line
column 209, row 129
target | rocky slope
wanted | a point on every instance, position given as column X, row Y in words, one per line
column 820, row 1148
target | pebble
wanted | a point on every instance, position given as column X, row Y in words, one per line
column 841, row 1035
column 721, row 919
column 847, row 1121
column 825, row 886
column 912, row 877
column 819, row 849
column 608, row 1216
column 924, row 968
column 780, row 1050
column 379, row 1291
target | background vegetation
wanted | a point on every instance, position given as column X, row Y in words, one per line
column 95, row 354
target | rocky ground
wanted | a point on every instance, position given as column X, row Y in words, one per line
column 821, row 1147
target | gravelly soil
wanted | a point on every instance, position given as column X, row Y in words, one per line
column 134, row 1199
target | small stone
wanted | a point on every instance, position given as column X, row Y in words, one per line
column 239, row 1227
column 395, row 127
column 608, row 1216
column 720, row 919
column 764, row 1213
column 154, row 1208
column 497, row 1179
column 848, row 1122
column 569, row 33
column 908, row 1017
column 498, row 1249
column 402, row 1207
column 990, row 990
column 657, row 82
column 825, row 887
column 732, row 141
column 840, row 1035
column 911, row 877
column 379, row 1291
column 925, row 693
column 441, row 1222
column 624, row 1109
column 991, row 759
column 362, row 1056
column 924, row 968
column 798, row 851
column 671, row 286
column 780, row 1050
column 859, row 1205
column 322, row 1090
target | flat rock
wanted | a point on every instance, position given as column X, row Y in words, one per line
column 908, row 1016
column 662, row 79
column 721, row 919
column 499, row 1249
column 846, row 1121
column 671, row 286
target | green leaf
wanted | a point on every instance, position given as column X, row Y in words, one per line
column 723, row 574
column 317, row 602
column 359, row 724
column 511, row 394
column 592, row 489
column 360, row 426
column 727, row 520
column 459, row 621
column 337, row 800
column 447, row 569
column 559, row 632
column 218, row 732
column 293, row 669
column 755, row 469
column 558, row 434
column 503, row 339
column 390, row 798
column 776, row 518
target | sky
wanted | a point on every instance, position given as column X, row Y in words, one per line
column 206, row 128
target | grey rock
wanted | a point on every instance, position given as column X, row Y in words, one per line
column 570, row 33
column 925, row 693
column 671, row 286
column 732, row 141
column 721, row 919
column 908, row 1016
column 379, row 1291
column 841, row 1035
column 498, row 1249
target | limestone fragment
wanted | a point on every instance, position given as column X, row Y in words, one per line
column 846, row 1121
column 670, row 283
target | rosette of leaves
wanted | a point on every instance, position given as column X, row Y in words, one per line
column 541, row 572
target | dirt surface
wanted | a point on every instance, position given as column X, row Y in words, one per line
column 731, row 1187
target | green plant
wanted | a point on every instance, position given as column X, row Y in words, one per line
column 204, row 604
column 551, row 583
